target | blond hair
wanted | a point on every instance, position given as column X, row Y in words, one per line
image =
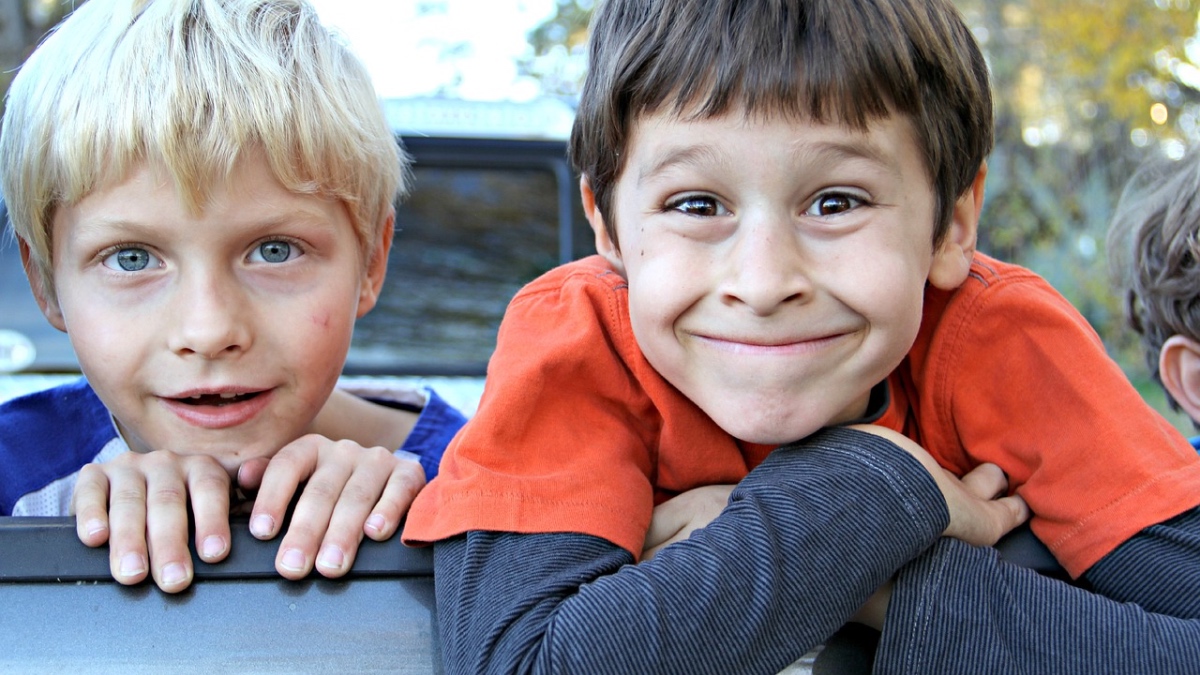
column 194, row 85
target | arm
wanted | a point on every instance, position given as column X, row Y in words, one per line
column 1158, row 568
column 1095, row 464
column 816, row 527
column 959, row 609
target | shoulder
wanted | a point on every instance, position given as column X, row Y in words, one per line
column 70, row 410
column 590, row 277
column 49, row 434
column 988, row 273
column 995, row 292
column 583, row 302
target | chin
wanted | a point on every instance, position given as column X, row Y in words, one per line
column 767, row 431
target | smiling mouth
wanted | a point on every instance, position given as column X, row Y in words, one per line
column 217, row 400
column 748, row 345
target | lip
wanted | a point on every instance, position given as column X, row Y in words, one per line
column 222, row 416
column 770, row 347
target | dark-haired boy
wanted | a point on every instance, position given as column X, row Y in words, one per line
column 785, row 198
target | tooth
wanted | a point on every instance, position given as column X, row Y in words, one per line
column 228, row 395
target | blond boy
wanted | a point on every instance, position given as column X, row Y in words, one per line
column 202, row 193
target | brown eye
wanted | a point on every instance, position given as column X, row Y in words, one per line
column 833, row 203
column 698, row 205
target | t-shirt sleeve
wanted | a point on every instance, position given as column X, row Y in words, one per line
column 562, row 439
column 1027, row 384
column 436, row 425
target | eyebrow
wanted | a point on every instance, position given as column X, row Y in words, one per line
column 135, row 226
column 691, row 155
column 837, row 151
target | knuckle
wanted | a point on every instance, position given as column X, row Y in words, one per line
column 358, row 494
column 167, row 495
column 126, row 495
column 209, row 482
column 323, row 489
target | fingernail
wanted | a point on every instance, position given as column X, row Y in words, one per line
column 262, row 526
column 293, row 560
column 213, row 546
column 331, row 557
column 376, row 523
column 132, row 565
column 96, row 526
column 173, row 574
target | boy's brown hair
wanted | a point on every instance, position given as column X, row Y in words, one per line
column 847, row 61
column 1154, row 254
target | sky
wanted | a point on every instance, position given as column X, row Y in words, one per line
column 406, row 50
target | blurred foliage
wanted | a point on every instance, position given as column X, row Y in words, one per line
column 1083, row 89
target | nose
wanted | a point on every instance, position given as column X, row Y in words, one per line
column 767, row 268
column 209, row 316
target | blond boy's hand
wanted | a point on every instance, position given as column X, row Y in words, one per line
column 138, row 503
column 674, row 519
column 350, row 491
column 978, row 515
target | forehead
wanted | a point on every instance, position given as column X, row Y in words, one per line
column 149, row 197
column 663, row 140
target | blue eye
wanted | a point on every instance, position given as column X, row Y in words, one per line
column 833, row 203
column 131, row 259
column 274, row 251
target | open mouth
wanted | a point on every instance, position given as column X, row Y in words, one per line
column 217, row 399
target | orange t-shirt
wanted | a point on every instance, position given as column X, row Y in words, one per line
column 576, row 432
column 1005, row 370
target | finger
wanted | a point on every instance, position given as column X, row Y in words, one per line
column 986, row 481
column 310, row 519
column 208, row 487
column 250, row 474
column 166, row 528
column 292, row 465
column 666, row 523
column 649, row 553
column 987, row 521
column 402, row 487
column 89, row 503
column 128, row 558
column 361, row 494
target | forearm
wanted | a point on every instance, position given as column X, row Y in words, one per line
column 1158, row 568
column 959, row 609
column 808, row 536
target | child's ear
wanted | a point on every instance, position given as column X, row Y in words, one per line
column 952, row 260
column 372, row 282
column 605, row 246
column 1179, row 368
column 46, row 301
